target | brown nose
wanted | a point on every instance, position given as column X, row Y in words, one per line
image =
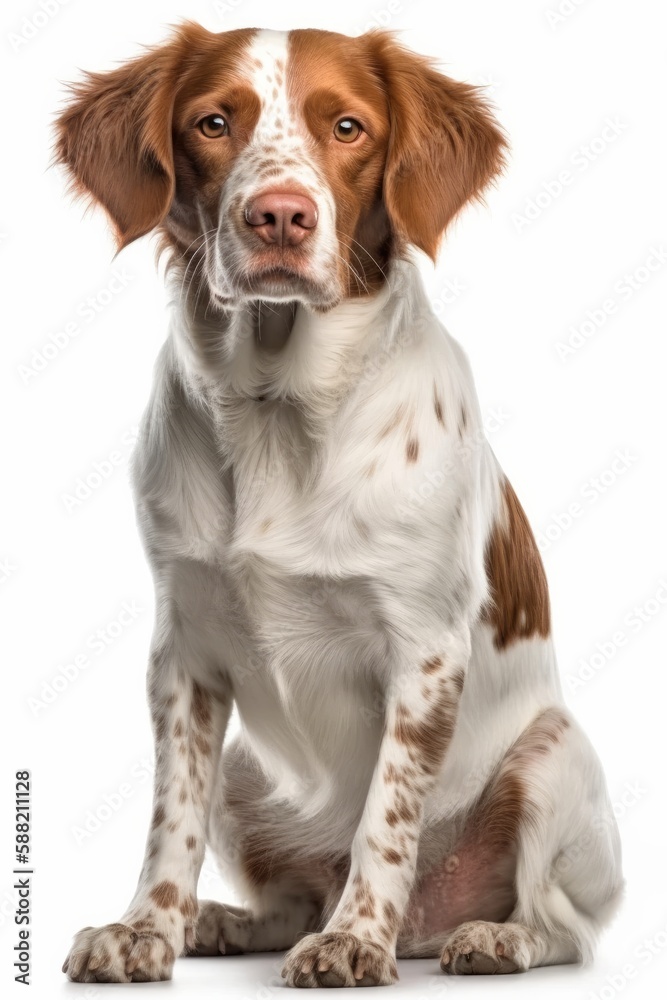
column 281, row 218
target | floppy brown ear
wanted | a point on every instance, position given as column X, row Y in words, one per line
column 115, row 140
column 444, row 146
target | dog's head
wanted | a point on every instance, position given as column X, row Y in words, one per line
column 287, row 165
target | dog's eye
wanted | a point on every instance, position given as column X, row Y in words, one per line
column 213, row 126
column 347, row 130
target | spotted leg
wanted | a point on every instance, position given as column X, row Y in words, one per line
column 189, row 721
column 358, row 944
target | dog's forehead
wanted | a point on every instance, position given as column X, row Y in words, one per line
column 285, row 67
column 268, row 57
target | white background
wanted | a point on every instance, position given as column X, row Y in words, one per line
column 511, row 289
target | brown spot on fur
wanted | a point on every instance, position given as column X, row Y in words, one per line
column 519, row 605
column 391, row 915
column 458, row 679
column 178, row 729
column 371, row 470
column 427, row 737
column 266, row 524
column 463, row 421
column 143, row 926
column 203, row 745
column 430, row 666
column 399, row 775
column 437, row 406
column 391, row 856
column 201, row 711
column 412, row 450
column 183, row 795
column 158, row 815
column 165, row 895
column 160, row 726
column 173, row 826
column 190, row 842
column 403, row 809
column 391, row 817
column 170, row 701
column 189, row 907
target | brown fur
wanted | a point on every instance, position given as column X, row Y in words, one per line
column 519, row 606
column 444, row 148
column 165, row 895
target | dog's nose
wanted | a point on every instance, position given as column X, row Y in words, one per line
column 281, row 217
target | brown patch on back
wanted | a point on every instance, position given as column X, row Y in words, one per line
column 165, row 895
column 519, row 606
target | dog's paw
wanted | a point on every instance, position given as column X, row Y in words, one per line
column 117, row 953
column 221, row 930
column 481, row 948
column 338, row 960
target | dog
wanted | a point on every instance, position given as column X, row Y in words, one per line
column 336, row 551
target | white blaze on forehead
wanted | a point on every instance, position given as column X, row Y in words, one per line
column 268, row 56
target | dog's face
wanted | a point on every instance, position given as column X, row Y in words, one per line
column 280, row 166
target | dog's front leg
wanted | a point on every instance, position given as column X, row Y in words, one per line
column 358, row 944
column 189, row 721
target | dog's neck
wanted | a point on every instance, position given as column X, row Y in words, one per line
column 284, row 351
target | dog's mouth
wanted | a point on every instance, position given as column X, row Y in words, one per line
column 281, row 281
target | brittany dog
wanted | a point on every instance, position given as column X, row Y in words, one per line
column 336, row 551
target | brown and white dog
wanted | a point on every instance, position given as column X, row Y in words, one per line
column 335, row 549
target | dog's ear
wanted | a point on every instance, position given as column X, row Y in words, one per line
column 114, row 137
column 444, row 145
